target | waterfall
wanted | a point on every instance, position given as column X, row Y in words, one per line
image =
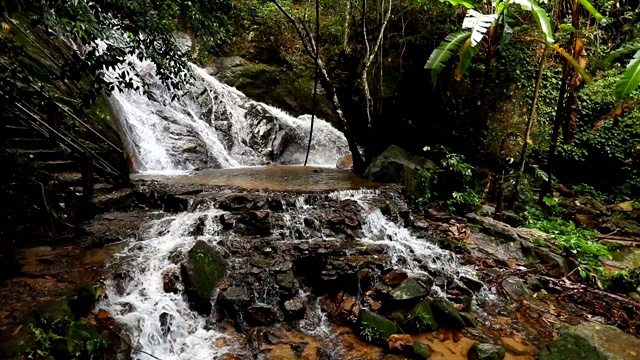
column 162, row 323
column 212, row 125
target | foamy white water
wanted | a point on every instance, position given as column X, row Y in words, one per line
column 212, row 125
column 161, row 323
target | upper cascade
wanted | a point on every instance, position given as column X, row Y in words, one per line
column 212, row 125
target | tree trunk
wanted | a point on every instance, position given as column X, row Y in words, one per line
column 560, row 107
column 527, row 132
column 309, row 45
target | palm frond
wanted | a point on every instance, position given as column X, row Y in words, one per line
column 630, row 79
column 478, row 23
column 541, row 17
column 441, row 55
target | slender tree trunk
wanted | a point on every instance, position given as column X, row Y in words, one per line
column 309, row 46
column 527, row 132
column 560, row 107
column 484, row 90
column 370, row 54
column 345, row 37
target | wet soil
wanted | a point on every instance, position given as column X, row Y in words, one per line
column 46, row 273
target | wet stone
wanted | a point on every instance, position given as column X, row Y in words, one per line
column 294, row 308
column 446, row 315
column 412, row 288
column 375, row 328
column 395, row 277
column 592, row 341
column 486, row 352
column 202, row 272
column 421, row 318
column 515, row 287
column 264, row 314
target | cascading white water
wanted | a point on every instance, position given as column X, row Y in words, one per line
column 162, row 324
column 212, row 125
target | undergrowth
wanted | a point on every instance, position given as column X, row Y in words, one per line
column 577, row 241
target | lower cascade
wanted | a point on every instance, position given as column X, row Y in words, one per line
column 292, row 261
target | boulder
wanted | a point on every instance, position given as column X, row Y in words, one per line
column 421, row 318
column 486, row 352
column 412, row 288
column 345, row 162
column 421, row 351
column 592, row 341
column 516, row 287
column 398, row 166
column 375, row 328
column 446, row 315
column 202, row 272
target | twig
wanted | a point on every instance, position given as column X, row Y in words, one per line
column 130, row 345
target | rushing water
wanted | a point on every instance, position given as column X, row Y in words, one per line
column 162, row 324
column 212, row 125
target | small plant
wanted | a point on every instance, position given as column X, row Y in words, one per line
column 464, row 201
column 73, row 336
column 369, row 332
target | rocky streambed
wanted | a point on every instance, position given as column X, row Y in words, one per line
column 212, row 272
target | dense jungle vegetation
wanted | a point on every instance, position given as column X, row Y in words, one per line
column 518, row 102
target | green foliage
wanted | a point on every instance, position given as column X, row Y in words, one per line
column 577, row 241
column 452, row 181
column 464, row 201
column 440, row 56
column 630, row 79
column 76, row 338
column 108, row 31
column 624, row 281
column 370, row 332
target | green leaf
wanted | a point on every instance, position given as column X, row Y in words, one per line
column 592, row 10
column 630, row 79
column 469, row 4
column 541, row 17
column 612, row 56
column 441, row 55
column 478, row 23
column 574, row 63
column 466, row 55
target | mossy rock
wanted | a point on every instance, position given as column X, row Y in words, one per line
column 486, row 352
column 421, row 351
column 421, row 318
column 53, row 311
column 410, row 289
column 446, row 315
column 202, row 272
column 375, row 328
column 17, row 345
column 592, row 341
column 398, row 166
column 82, row 301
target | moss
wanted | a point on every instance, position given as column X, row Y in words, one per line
column 375, row 328
column 203, row 270
column 421, row 351
column 421, row 317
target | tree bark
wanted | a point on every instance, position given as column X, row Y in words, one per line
column 527, row 132
column 370, row 54
column 560, row 107
column 309, row 45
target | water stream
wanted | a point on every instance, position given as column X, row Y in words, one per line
column 214, row 126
